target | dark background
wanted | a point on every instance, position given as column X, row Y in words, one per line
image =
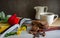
column 25, row 8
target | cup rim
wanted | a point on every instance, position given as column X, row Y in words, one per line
column 47, row 14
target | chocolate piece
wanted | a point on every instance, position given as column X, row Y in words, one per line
column 38, row 27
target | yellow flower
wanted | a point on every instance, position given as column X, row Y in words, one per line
column 19, row 30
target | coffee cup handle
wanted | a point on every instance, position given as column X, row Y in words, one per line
column 55, row 18
column 46, row 8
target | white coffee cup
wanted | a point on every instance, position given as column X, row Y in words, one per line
column 49, row 17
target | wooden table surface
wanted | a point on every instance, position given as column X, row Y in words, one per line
column 56, row 23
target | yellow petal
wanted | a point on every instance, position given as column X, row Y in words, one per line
column 19, row 32
column 24, row 28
